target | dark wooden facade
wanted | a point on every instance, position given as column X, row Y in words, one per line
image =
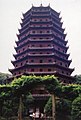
column 41, row 47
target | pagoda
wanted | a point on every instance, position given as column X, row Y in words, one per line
column 41, row 48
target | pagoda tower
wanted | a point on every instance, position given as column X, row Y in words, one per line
column 41, row 48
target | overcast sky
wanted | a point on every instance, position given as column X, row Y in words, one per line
column 10, row 19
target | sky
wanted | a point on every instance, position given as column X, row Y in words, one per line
column 10, row 19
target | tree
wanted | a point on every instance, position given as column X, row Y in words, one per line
column 63, row 109
column 4, row 77
column 76, row 109
column 77, row 79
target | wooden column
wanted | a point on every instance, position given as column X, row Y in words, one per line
column 53, row 106
column 20, row 109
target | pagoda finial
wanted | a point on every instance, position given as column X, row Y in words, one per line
column 49, row 5
column 32, row 5
column 41, row 4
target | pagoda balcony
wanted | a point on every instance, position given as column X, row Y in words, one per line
column 24, row 24
column 40, row 15
column 39, row 48
column 25, row 20
column 53, row 55
column 41, row 73
column 24, row 28
column 65, row 68
column 42, row 34
column 61, row 53
column 53, row 64
column 58, row 31
column 60, row 45
column 41, row 64
column 24, row 32
column 56, row 21
column 60, row 39
column 40, row 12
column 58, row 27
column 62, row 59
column 40, row 22
column 56, row 18
column 40, row 27
column 41, row 40
column 54, row 12
column 27, row 13
column 41, row 55
column 32, row 41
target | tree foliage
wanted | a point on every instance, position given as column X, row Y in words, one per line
column 4, row 77
column 76, row 109
column 78, row 79
column 24, row 85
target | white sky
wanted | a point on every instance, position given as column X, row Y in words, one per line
column 10, row 18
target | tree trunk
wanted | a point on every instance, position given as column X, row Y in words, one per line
column 20, row 109
column 53, row 106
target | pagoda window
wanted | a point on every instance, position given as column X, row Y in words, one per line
column 40, row 38
column 33, row 45
column 41, row 70
column 59, row 49
column 40, row 45
column 49, row 45
column 33, row 31
column 21, row 64
column 40, row 25
column 49, row 60
column 19, row 72
column 35, row 20
column 40, row 19
column 48, row 31
column 23, row 49
column 32, row 61
column 14, row 73
column 41, row 32
column 32, row 70
column 49, row 70
column 63, row 72
column 26, row 61
column 48, row 53
column 40, row 52
column 66, row 65
column 55, row 61
column 60, row 63
column 16, row 65
column 67, row 73
column 47, row 38
column 41, row 61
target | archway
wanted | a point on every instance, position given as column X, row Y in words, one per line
column 26, row 84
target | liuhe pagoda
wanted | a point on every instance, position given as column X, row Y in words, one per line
column 41, row 48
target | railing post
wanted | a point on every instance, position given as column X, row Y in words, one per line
column 53, row 106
